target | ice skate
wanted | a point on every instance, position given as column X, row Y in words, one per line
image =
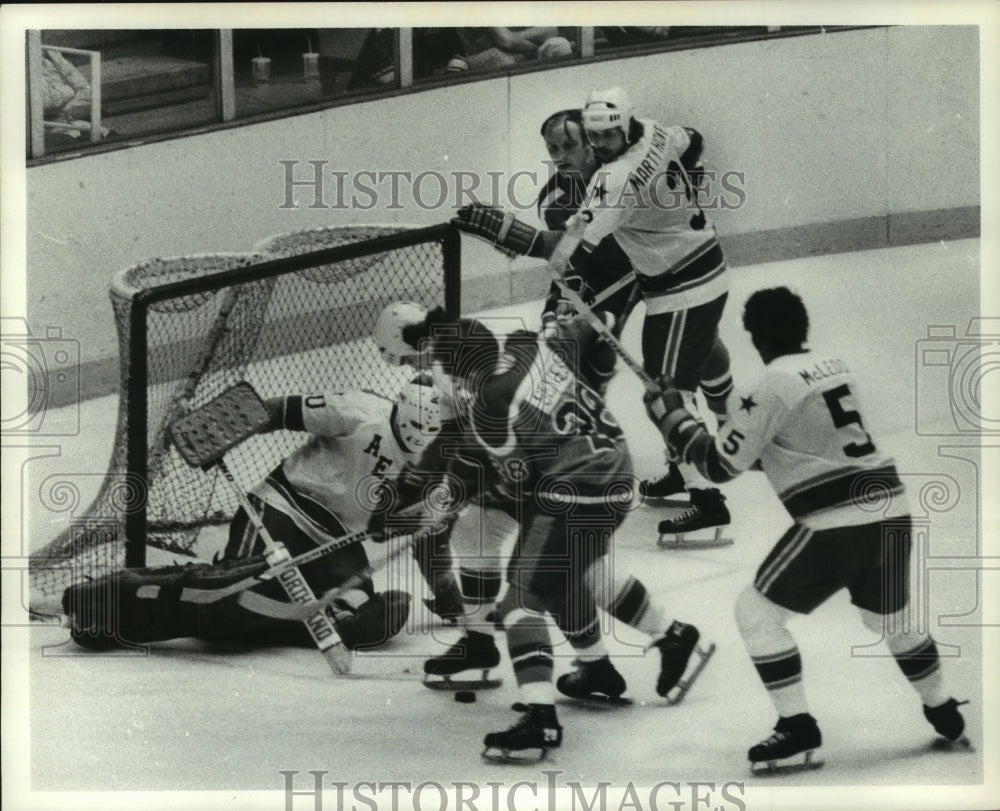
column 529, row 739
column 596, row 682
column 676, row 647
column 655, row 492
column 948, row 721
column 706, row 510
column 792, row 747
column 473, row 651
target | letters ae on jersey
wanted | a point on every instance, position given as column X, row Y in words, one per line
column 329, row 482
column 646, row 200
column 803, row 422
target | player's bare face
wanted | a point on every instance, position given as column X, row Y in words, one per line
column 569, row 151
column 607, row 144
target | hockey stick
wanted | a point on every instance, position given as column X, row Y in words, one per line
column 611, row 289
column 205, row 596
column 301, row 611
column 253, row 601
column 558, row 262
column 202, row 438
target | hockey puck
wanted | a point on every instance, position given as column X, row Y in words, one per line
column 465, row 696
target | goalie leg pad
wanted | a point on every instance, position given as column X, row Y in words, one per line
column 376, row 621
column 149, row 605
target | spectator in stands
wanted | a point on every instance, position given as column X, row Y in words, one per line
column 494, row 48
column 66, row 95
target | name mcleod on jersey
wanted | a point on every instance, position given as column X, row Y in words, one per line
column 824, row 369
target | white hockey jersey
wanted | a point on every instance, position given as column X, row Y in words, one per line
column 802, row 422
column 328, row 484
column 645, row 199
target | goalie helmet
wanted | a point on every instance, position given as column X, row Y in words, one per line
column 417, row 415
column 388, row 333
column 607, row 109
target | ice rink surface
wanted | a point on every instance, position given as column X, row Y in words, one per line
column 185, row 716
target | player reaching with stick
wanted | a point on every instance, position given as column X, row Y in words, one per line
column 802, row 426
column 644, row 196
column 546, row 468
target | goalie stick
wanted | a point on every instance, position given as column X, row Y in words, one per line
column 202, row 438
column 204, row 596
column 267, row 607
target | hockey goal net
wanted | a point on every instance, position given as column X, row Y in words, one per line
column 294, row 315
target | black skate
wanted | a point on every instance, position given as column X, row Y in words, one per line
column 596, row 682
column 706, row 510
column 655, row 492
column 676, row 647
column 529, row 739
column 948, row 721
column 473, row 651
column 791, row 747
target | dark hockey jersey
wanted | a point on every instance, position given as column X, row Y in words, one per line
column 537, row 429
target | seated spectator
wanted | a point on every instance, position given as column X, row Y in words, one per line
column 495, row 48
column 619, row 36
column 66, row 95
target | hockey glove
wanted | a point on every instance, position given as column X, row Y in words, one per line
column 500, row 228
column 666, row 409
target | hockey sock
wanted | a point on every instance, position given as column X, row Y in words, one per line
column 586, row 641
column 915, row 653
column 716, row 394
column 530, row 651
column 772, row 650
column 479, row 593
column 716, row 380
column 782, row 676
column 635, row 606
column 922, row 667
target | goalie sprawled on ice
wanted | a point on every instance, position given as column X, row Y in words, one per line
column 313, row 503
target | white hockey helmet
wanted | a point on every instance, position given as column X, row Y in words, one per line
column 607, row 109
column 388, row 333
column 418, row 414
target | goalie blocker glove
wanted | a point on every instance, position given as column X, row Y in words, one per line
column 498, row 227
column 133, row 606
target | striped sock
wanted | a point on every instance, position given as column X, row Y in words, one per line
column 782, row 676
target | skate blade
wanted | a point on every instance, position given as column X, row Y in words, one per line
column 665, row 501
column 679, row 540
column 801, row 762
column 520, row 756
column 675, row 695
column 597, row 700
column 448, row 683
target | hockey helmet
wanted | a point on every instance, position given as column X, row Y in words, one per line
column 418, row 414
column 607, row 109
column 388, row 333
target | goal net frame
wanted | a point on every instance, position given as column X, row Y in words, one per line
column 129, row 472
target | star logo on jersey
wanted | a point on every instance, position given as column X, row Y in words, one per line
column 600, row 193
column 747, row 404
